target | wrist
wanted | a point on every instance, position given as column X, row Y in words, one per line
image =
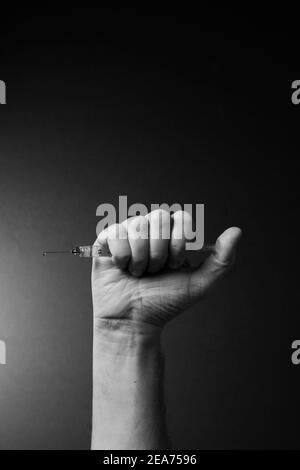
column 125, row 337
column 127, row 390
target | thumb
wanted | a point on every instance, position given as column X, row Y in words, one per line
column 217, row 264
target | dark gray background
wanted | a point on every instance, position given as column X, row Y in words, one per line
column 161, row 112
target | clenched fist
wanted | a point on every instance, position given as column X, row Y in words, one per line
column 146, row 281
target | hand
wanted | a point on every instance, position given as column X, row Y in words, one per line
column 135, row 292
column 145, row 284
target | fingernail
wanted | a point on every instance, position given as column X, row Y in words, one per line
column 136, row 273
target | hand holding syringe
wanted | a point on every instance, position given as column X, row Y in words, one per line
column 145, row 284
column 133, row 297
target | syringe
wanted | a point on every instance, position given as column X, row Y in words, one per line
column 91, row 251
column 88, row 251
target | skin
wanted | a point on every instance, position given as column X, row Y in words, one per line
column 135, row 293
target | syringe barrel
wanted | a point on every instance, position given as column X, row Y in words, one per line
column 91, row 251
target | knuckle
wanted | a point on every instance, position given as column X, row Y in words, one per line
column 117, row 231
column 138, row 220
column 159, row 215
column 138, row 227
column 160, row 224
column 183, row 216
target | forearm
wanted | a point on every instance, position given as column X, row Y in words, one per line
column 128, row 404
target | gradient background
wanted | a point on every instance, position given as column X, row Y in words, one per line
column 162, row 112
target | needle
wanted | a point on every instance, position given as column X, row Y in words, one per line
column 45, row 253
